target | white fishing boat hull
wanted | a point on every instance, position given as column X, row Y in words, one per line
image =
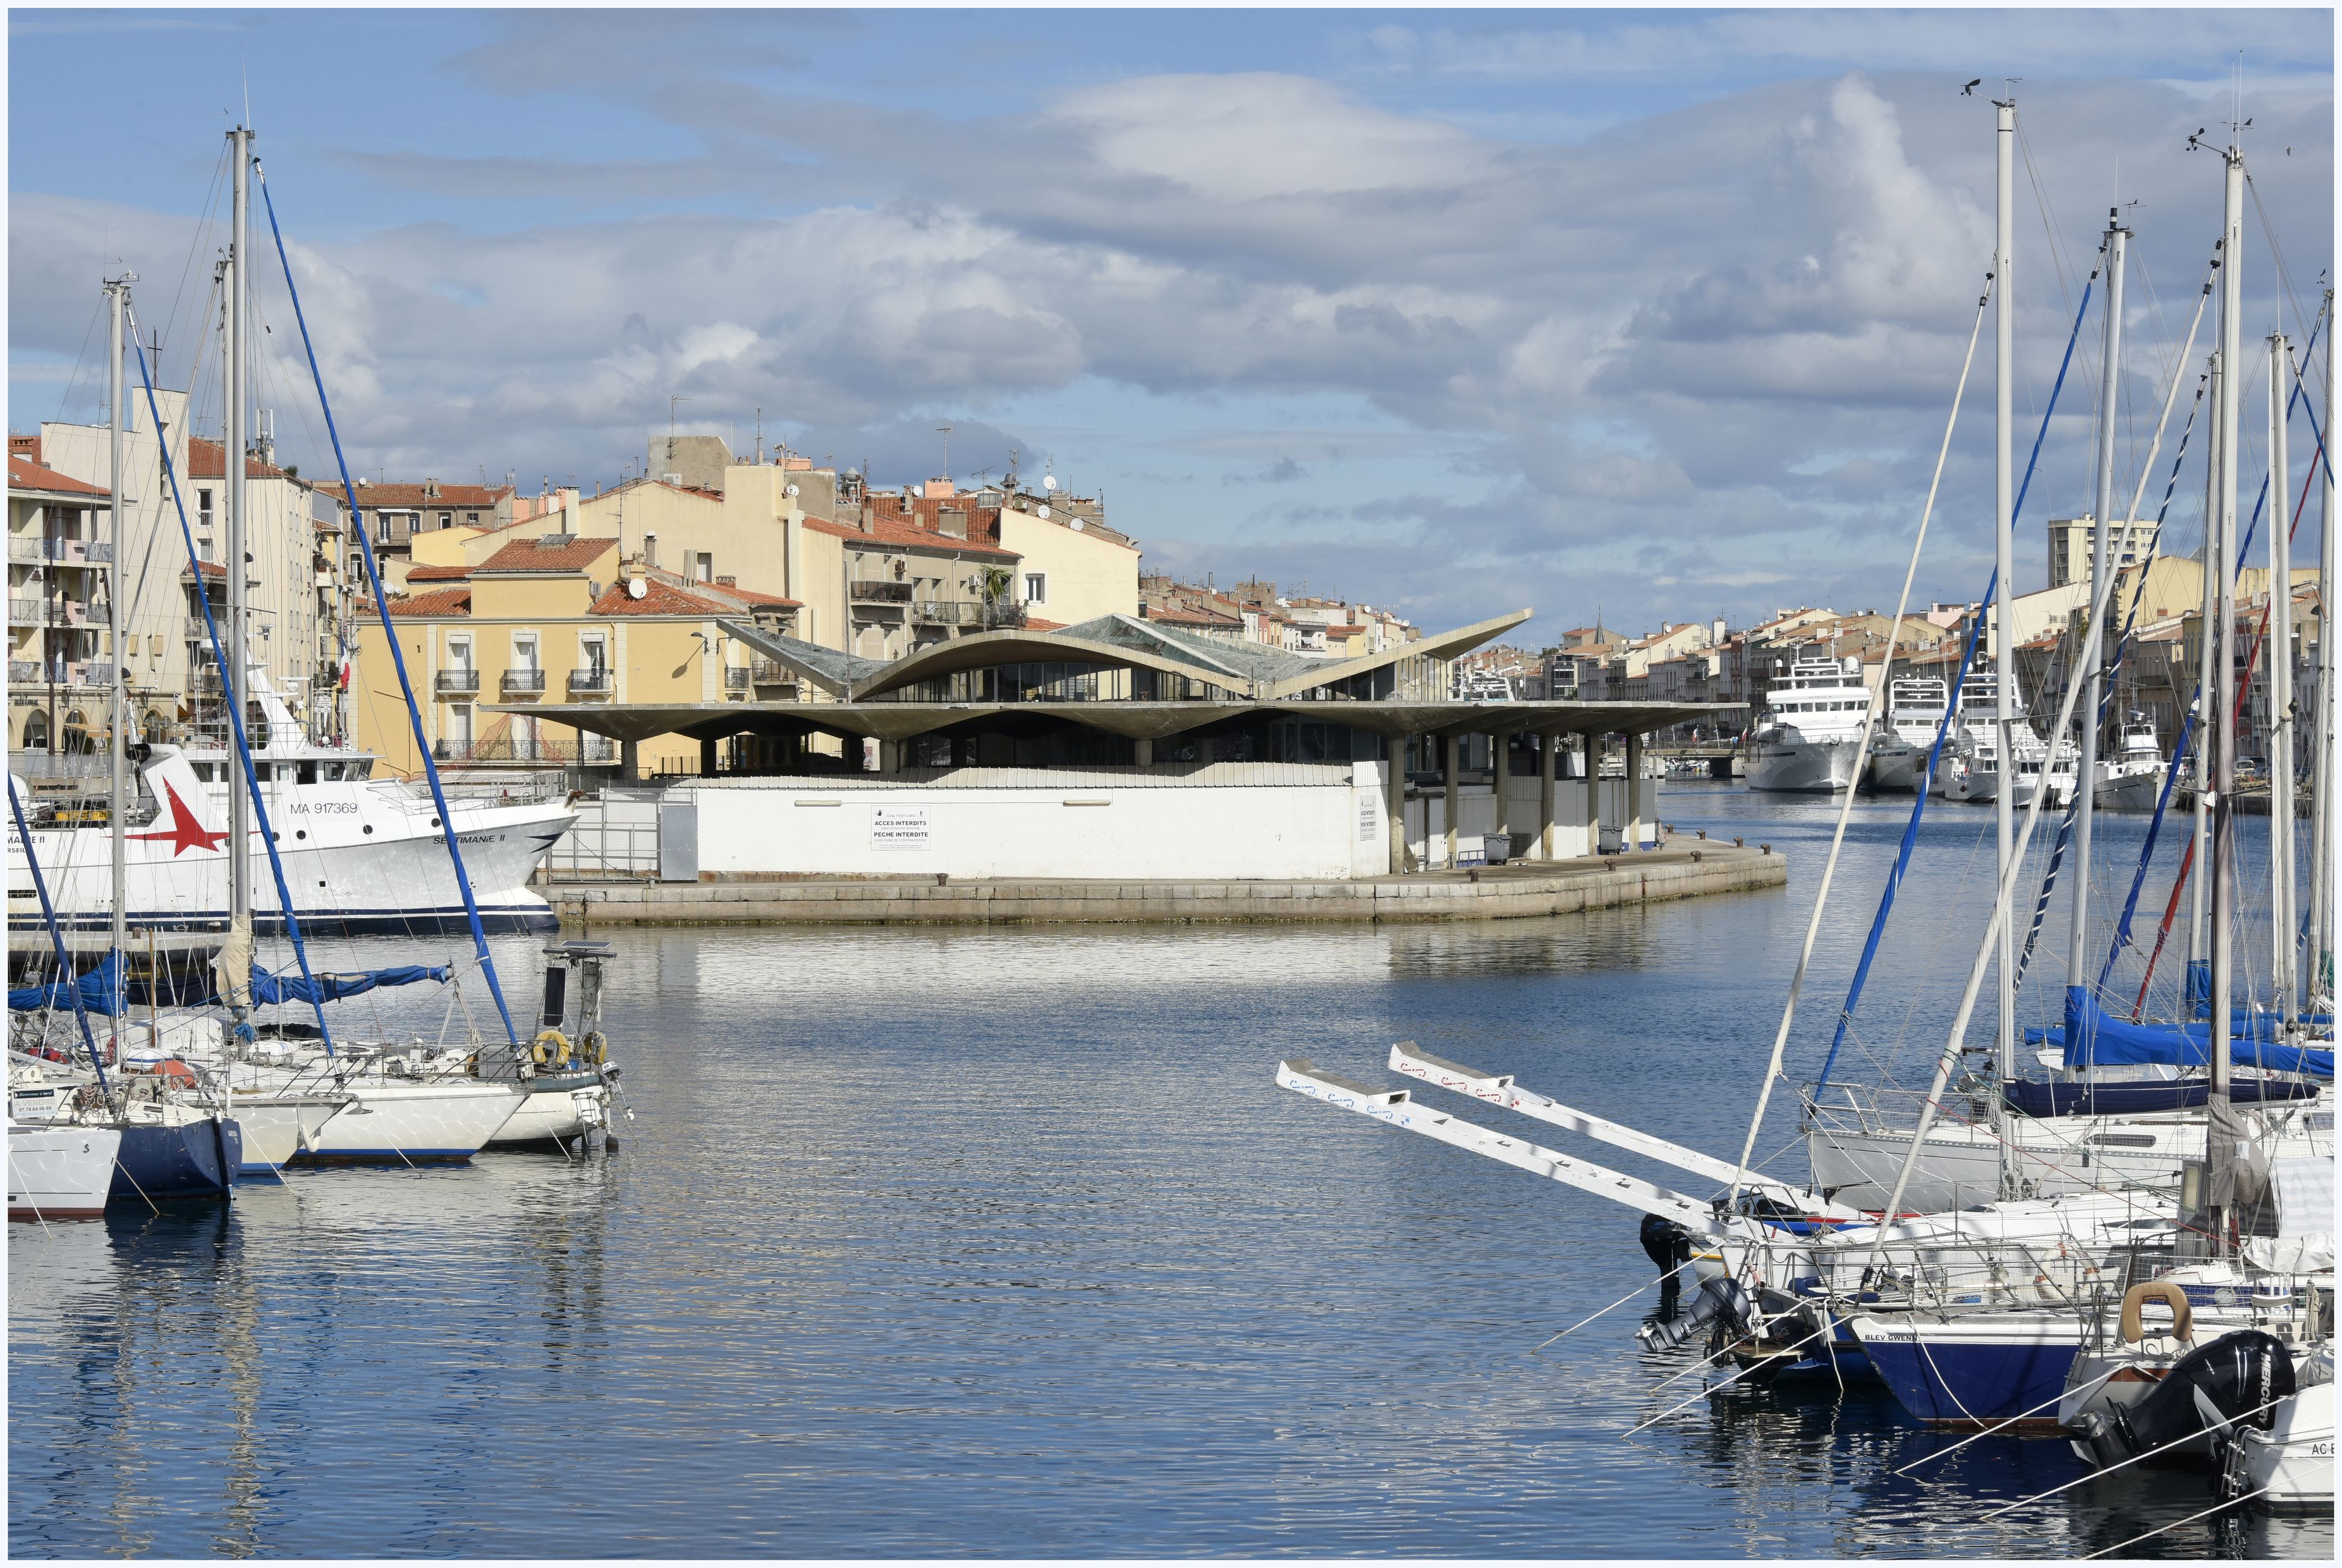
column 2135, row 790
column 1791, row 765
column 1897, row 765
column 60, row 1173
column 394, row 1122
column 2291, row 1465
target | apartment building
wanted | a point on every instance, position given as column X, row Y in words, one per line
column 60, row 571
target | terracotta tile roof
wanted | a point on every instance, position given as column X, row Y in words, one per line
column 1034, row 624
column 551, row 552
column 412, row 497
column 895, row 535
column 1182, row 615
column 208, row 460
column 750, row 597
column 25, row 446
column 437, row 575
column 27, row 474
column 211, row 569
column 658, row 599
column 445, row 601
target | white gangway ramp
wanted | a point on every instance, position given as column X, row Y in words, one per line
column 1398, row 1107
column 1499, row 1089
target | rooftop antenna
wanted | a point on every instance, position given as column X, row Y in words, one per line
column 671, row 402
column 760, row 434
column 946, row 431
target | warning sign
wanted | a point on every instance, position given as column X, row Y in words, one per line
column 899, row 828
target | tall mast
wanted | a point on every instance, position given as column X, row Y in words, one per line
column 116, row 779
column 232, row 679
column 2323, row 818
column 2278, row 658
column 2093, row 668
column 2003, row 523
column 2224, row 666
column 2199, row 895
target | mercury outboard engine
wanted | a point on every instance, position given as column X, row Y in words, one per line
column 1669, row 1246
column 1720, row 1300
column 2210, row 1391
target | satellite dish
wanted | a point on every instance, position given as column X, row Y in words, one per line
column 1076, row 524
column 792, row 490
column 1043, row 514
column 637, row 588
column 1049, row 481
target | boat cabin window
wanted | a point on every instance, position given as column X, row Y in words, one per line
column 203, row 772
column 307, row 770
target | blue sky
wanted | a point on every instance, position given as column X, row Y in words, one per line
column 1452, row 310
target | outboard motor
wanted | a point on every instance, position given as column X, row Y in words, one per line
column 2209, row 1392
column 1720, row 1300
column 1669, row 1246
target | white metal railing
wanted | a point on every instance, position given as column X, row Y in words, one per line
column 616, row 835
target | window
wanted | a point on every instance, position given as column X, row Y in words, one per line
column 459, row 726
column 358, row 563
column 703, row 567
column 1037, row 587
column 523, row 651
column 203, row 508
column 446, row 519
column 596, row 655
column 459, row 651
column 382, row 527
column 471, row 519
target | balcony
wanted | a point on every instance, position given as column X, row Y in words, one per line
column 735, row 677
column 880, row 592
column 943, row 612
column 771, row 673
column 24, row 672
column 27, row 613
column 523, row 683
column 591, row 683
column 26, row 552
column 998, row 617
column 456, row 683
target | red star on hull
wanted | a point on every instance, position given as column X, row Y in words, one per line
column 185, row 832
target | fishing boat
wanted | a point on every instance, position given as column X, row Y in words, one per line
column 2132, row 779
column 366, row 853
column 1809, row 740
column 1899, row 757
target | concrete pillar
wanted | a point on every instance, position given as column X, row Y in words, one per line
column 1633, row 837
column 630, row 761
column 1548, row 758
column 1499, row 768
column 1394, row 801
column 1447, row 749
column 1142, row 751
column 708, row 759
column 890, row 756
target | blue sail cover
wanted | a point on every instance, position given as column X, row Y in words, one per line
column 268, row 989
column 102, row 993
column 2117, row 1043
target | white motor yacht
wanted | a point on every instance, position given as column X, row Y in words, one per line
column 1810, row 738
column 1973, row 772
column 2132, row 779
column 360, row 853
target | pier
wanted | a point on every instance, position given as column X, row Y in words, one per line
column 1681, row 867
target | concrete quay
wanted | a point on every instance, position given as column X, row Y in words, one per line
column 1679, row 868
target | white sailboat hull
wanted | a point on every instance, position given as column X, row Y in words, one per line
column 277, row 1129
column 1960, row 1164
column 60, row 1173
column 446, row 1120
column 557, row 1113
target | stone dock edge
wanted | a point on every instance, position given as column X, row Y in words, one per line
column 1681, row 869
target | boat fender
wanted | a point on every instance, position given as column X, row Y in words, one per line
column 552, row 1048
column 591, row 1049
column 2183, row 1316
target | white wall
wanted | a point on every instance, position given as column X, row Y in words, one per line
column 1575, row 831
column 1090, row 825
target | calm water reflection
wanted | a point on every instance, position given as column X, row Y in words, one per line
column 1004, row 1242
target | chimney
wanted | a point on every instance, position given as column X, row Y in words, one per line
column 869, row 516
column 952, row 521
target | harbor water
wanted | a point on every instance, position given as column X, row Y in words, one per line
column 1003, row 1242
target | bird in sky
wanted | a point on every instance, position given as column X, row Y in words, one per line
column 1969, row 90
